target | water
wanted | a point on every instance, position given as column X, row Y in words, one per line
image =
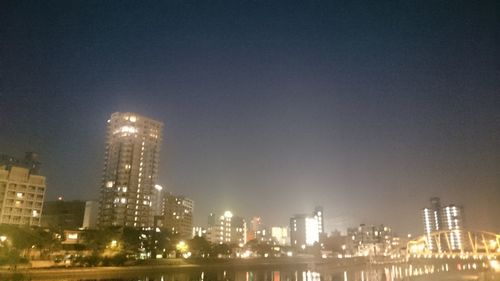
column 401, row 272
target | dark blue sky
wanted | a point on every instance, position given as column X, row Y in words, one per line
column 270, row 108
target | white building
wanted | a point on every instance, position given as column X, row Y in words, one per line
column 305, row 230
column 130, row 171
column 281, row 235
column 21, row 196
column 91, row 214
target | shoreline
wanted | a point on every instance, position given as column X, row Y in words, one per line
column 134, row 270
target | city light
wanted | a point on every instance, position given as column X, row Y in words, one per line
column 228, row 214
column 182, row 247
column 359, row 140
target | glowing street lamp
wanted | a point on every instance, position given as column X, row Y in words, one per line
column 182, row 246
column 3, row 238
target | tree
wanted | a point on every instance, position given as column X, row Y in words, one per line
column 199, row 247
column 221, row 250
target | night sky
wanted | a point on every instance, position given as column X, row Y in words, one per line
column 270, row 108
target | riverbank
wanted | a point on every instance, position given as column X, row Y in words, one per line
column 158, row 266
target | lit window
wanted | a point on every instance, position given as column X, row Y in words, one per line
column 19, row 195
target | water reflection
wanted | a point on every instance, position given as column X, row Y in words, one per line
column 402, row 272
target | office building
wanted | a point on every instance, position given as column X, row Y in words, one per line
column 298, row 230
column 305, row 230
column 91, row 214
column 318, row 216
column 130, row 171
column 177, row 215
column 280, row 235
column 63, row 215
column 369, row 240
column 228, row 229
column 21, row 196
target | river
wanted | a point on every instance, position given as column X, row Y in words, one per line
column 396, row 272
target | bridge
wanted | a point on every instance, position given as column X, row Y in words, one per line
column 464, row 243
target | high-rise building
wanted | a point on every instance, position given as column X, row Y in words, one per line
column 447, row 218
column 280, row 235
column 228, row 229
column 91, row 214
column 432, row 221
column 453, row 221
column 318, row 216
column 130, row 170
column 370, row 240
column 211, row 220
column 306, row 230
column 298, row 230
column 255, row 229
column 177, row 215
column 21, row 196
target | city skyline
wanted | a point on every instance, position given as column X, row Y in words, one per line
column 267, row 112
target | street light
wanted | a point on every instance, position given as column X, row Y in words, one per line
column 182, row 246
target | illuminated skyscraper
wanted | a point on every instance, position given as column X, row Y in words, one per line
column 432, row 221
column 437, row 218
column 130, row 170
column 453, row 221
column 318, row 215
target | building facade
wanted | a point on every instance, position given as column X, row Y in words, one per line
column 21, row 196
column 63, row 215
column 371, row 240
column 228, row 229
column 432, row 219
column 90, row 215
column 177, row 215
column 453, row 221
column 281, row 235
column 448, row 218
column 130, row 170
column 306, row 230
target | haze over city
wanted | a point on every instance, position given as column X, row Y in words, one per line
column 269, row 109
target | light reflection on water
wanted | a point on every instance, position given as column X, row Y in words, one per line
column 466, row 271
